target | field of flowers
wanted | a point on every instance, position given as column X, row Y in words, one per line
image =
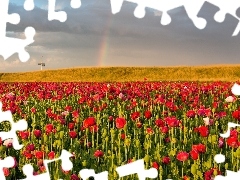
column 174, row 126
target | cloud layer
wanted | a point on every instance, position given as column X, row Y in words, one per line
column 93, row 36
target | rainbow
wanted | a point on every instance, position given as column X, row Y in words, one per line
column 103, row 49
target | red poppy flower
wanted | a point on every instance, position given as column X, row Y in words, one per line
column 49, row 128
column 74, row 177
column 30, row 147
column 182, row 156
column 123, row 136
column 191, row 114
column 203, row 130
column 159, row 123
column 6, row 172
column 71, row 126
column 90, row 121
column 194, row 154
column 24, row 134
column 33, row 110
column 155, row 165
column 236, row 114
column 51, row 155
column 75, row 114
column 135, row 115
column 166, row 160
column 28, row 155
column 120, row 123
column 110, row 118
column 164, row 129
column 39, row 154
column 72, row 134
column 150, row 131
column 37, row 133
column 98, row 153
column 232, row 141
column 147, row 114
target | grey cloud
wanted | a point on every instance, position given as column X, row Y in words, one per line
column 130, row 41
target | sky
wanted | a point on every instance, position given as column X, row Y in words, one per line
column 94, row 37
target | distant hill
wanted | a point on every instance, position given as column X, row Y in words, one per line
column 121, row 74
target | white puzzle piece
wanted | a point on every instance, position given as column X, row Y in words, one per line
column 192, row 8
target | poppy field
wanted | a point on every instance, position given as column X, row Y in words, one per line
column 174, row 126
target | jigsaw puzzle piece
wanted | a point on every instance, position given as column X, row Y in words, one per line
column 66, row 166
column 193, row 8
column 9, row 46
column 139, row 11
column 116, row 5
column 28, row 5
column 28, row 171
column 66, row 163
column 76, row 4
column 60, row 15
column 237, row 30
column 87, row 173
column 137, row 167
column 164, row 6
column 229, row 175
column 230, row 125
column 5, row 17
column 21, row 125
column 161, row 5
column 7, row 162
column 227, row 7
column 53, row 15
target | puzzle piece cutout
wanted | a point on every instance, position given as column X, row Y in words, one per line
column 87, row 173
column 7, row 162
column 235, row 89
column 29, row 5
column 52, row 14
column 21, row 125
column 227, row 7
column 230, row 125
column 9, row 46
column 192, row 8
column 230, row 175
column 137, row 167
column 66, row 166
column 220, row 158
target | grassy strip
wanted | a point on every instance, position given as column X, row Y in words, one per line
column 121, row 74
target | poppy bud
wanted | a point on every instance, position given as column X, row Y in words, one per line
column 106, row 139
column 59, row 143
column 61, row 134
column 84, row 163
column 127, row 142
column 45, row 139
column 193, row 169
column 147, row 158
column 137, row 143
column 226, row 166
